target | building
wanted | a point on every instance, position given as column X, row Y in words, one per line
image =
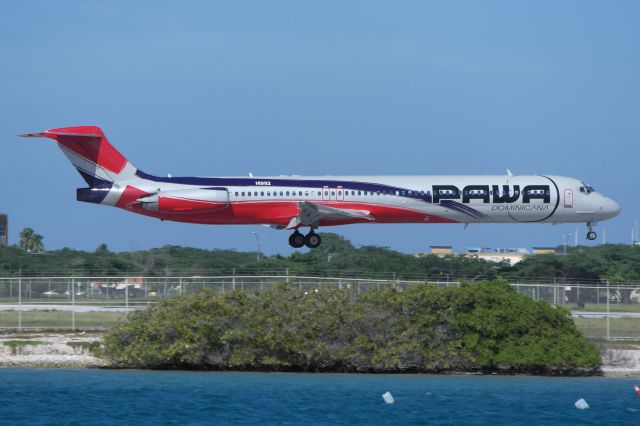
column 545, row 250
column 509, row 255
column 441, row 249
column 4, row 230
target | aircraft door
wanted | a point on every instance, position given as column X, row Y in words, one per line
column 339, row 193
column 326, row 193
column 568, row 198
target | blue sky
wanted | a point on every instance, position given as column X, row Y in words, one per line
column 287, row 87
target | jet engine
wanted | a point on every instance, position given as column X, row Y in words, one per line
column 185, row 201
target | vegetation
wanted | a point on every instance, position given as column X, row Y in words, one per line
column 30, row 241
column 17, row 345
column 336, row 256
column 477, row 327
column 86, row 347
column 614, row 262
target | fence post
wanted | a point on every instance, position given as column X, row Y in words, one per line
column 608, row 318
column 73, row 304
column 20, row 304
column 126, row 297
column 287, row 274
column 233, row 280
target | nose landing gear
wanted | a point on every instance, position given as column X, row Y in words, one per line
column 591, row 234
column 311, row 240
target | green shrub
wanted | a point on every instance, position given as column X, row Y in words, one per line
column 482, row 326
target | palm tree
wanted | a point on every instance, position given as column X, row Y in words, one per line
column 36, row 243
column 25, row 238
column 30, row 241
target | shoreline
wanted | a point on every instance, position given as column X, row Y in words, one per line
column 49, row 350
column 73, row 350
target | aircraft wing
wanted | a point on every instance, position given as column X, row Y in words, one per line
column 310, row 214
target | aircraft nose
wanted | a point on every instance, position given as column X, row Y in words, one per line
column 610, row 208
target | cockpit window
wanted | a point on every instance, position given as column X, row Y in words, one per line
column 585, row 188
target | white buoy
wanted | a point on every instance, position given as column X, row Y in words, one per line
column 388, row 398
column 581, row 404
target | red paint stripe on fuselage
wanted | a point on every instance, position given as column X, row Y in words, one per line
column 280, row 212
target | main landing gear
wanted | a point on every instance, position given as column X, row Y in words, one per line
column 591, row 234
column 311, row 240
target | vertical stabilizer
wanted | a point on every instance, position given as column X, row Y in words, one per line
column 88, row 149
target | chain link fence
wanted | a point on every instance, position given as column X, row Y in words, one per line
column 601, row 310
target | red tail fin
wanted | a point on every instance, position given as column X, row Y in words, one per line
column 91, row 153
column 90, row 143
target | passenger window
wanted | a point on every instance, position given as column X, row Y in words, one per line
column 249, row 194
column 262, row 193
column 281, row 194
column 333, row 193
column 306, row 193
column 353, row 193
column 236, row 193
column 243, row 193
column 340, row 193
column 299, row 193
column 326, row 193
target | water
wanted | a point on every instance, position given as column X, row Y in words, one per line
column 101, row 397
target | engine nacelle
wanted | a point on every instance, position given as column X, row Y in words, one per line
column 186, row 201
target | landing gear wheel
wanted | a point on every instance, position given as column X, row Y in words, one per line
column 297, row 240
column 591, row 235
column 312, row 240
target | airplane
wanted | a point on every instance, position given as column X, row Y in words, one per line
column 295, row 202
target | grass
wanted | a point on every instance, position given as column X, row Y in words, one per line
column 618, row 327
column 602, row 307
column 84, row 346
column 15, row 345
column 58, row 319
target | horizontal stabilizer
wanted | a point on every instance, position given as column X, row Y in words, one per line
column 32, row 135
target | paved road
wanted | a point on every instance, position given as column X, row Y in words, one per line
column 120, row 308
column 586, row 314
column 69, row 308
